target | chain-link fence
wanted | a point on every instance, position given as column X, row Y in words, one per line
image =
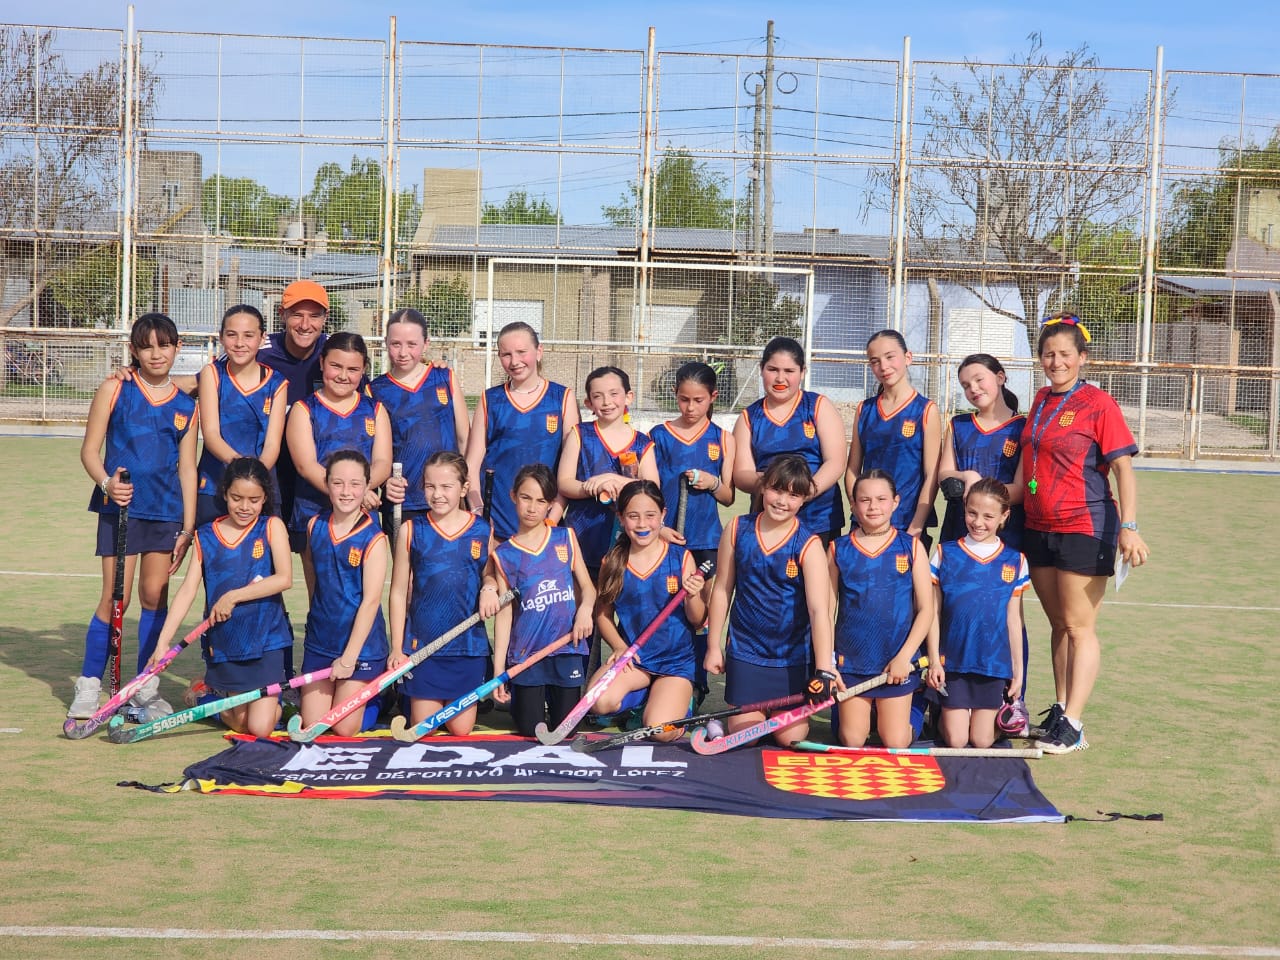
column 579, row 189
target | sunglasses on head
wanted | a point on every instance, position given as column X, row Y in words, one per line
column 1070, row 320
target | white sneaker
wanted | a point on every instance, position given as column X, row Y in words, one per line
column 146, row 704
column 84, row 704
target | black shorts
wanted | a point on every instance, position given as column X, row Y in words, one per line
column 1072, row 552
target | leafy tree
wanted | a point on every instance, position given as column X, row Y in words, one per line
column 519, row 207
column 89, row 287
column 446, row 304
column 1097, row 295
column 242, row 207
column 760, row 314
column 684, row 193
column 348, row 204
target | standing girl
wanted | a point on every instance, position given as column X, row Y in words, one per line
column 556, row 597
column 243, row 405
column 345, row 565
column 426, row 408
column 772, row 569
column 243, row 559
column 899, row 431
column 979, row 582
column 144, row 425
column 598, row 460
column 791, row 420
column 336, row 417
column 435, row 584
column 639, row 576
column 522, row 421
column 880, row 577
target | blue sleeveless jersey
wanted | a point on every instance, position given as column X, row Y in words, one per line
column 332, row 431
column 991, row 453
column 877, row 602
column 669, row 651
column 975, row 606
column 242, row 420
column 515, row 436
column 769, row 622
column 894, row 442
column 144, row 437
column 447, row 572
column 339, row 588
column 255, row 626
column 547, row 603
column 704, row 452
column 422, row 423
column 591, row 520
column 798, row 433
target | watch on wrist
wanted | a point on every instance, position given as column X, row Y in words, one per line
column 1130, row 525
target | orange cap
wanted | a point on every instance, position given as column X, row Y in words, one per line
column 301, row 290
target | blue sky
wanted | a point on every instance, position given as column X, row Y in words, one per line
column 1196, row 35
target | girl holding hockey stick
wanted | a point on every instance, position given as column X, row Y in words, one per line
column 979, row 582
column 244, row 562
column 556, row 596
column 640, row 573
column 243, row 405
column 880, row 577
column 345, row 563
column 146, row 426
column 436, row 582
column 772, row 589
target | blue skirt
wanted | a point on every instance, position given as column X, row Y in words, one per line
column 241, row 676
column 750, row 683
column 365, row 669
column 445, row 678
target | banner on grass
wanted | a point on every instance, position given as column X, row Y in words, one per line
column 749, row 782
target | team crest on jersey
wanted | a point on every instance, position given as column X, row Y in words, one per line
column 353, row 557
column 259, row 548
column 851, row 776
column 1010, row 448
column 809, row 430
column 266, row 406
column 442, row 395
column 901, row 563
column 713, row 452
column 1007, row 573
column 908, row 428
column 475, row 549
column 673, row 584
column 180, row 421
column 1067, row 418
column 562, row 552
column 793, row 569
column 553, row 422
column 369, row 424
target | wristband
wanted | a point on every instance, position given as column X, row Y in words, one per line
column 103, row 484
column 717, row 486
column 1130, row 525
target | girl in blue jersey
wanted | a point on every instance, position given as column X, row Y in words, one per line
column 243, row 559
column 639, row 576
column 978, row 585
column 243, row 404
column 522, row 421
column 880, row 577
column 336, row 417
column 900, row 432
column 791, row 420
column 147, row 426
column 345, row 564
column 556, row 597
column 772, row 569
column 435, row 584
column 600, row 458
column 426, row 408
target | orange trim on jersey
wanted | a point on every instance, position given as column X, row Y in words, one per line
column 411, row 388
column 657, row 563
column 605, row 443
column 264, row 377
column 461, row 530
column 355, row 402
column 541, row 547
column 999, row 426
column 965, row 548
column 217, row 532
column 893, row 413
column 868, row 553
column 537, row 397
column 356, row 527
column 791, row 530
column 795, row 403
column 173, row 392
column 706, row 425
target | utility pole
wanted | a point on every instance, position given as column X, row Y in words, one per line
column 757, row 177
column 768, row 146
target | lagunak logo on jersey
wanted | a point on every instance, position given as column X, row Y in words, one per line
column 901, row 563
column 475, row 549
column 793, row 570
column 1067, row 418
column 562, row 552
column 553, row 422
column 713, row 452
column 549, row 593
column 180, row 421
column 908, row 428
column 809, row 430
column 442, row 395
column 673, row 584
column 1010, row 448
column 353, row 557
column 1007, row 573
column 852, row 776
column 369, row 424
column 259, row 548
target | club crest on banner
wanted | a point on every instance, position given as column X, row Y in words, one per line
column 852, row 777
column 1010, row 448
column 908, row 428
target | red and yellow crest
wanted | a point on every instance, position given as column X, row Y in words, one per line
column 901, row 563
column 1010, row 448
column 793, row 569
column 180, row 421
column 353, row 557
column 562, row 552
column 1067, row 418
column 852, row 776
column 908, row 428
column 259, row 548
column 266, row 406
column 673, row 584
column 1007, row 573
column 369, row 424
column 713, row 452
column 475, row 549
column 553, row 422
column 810, row 431
column 442, row 394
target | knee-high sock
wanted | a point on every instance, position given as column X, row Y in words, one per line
column 150, row 623
column 96, row 639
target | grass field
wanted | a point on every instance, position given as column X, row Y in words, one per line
column 1183, row 722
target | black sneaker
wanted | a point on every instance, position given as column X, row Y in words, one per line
column 1063, row 738
column 1047, row 720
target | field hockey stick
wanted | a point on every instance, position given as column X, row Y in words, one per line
column 397, row 509
column 486, row 494
column 115, row 636
column 1017, row 753
column 682, row 505
column 584, row 744
column 707, row 747
column 78, row 731
column 598, row 688
column 375, row 686
column 118, row 733
column 401, row 730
